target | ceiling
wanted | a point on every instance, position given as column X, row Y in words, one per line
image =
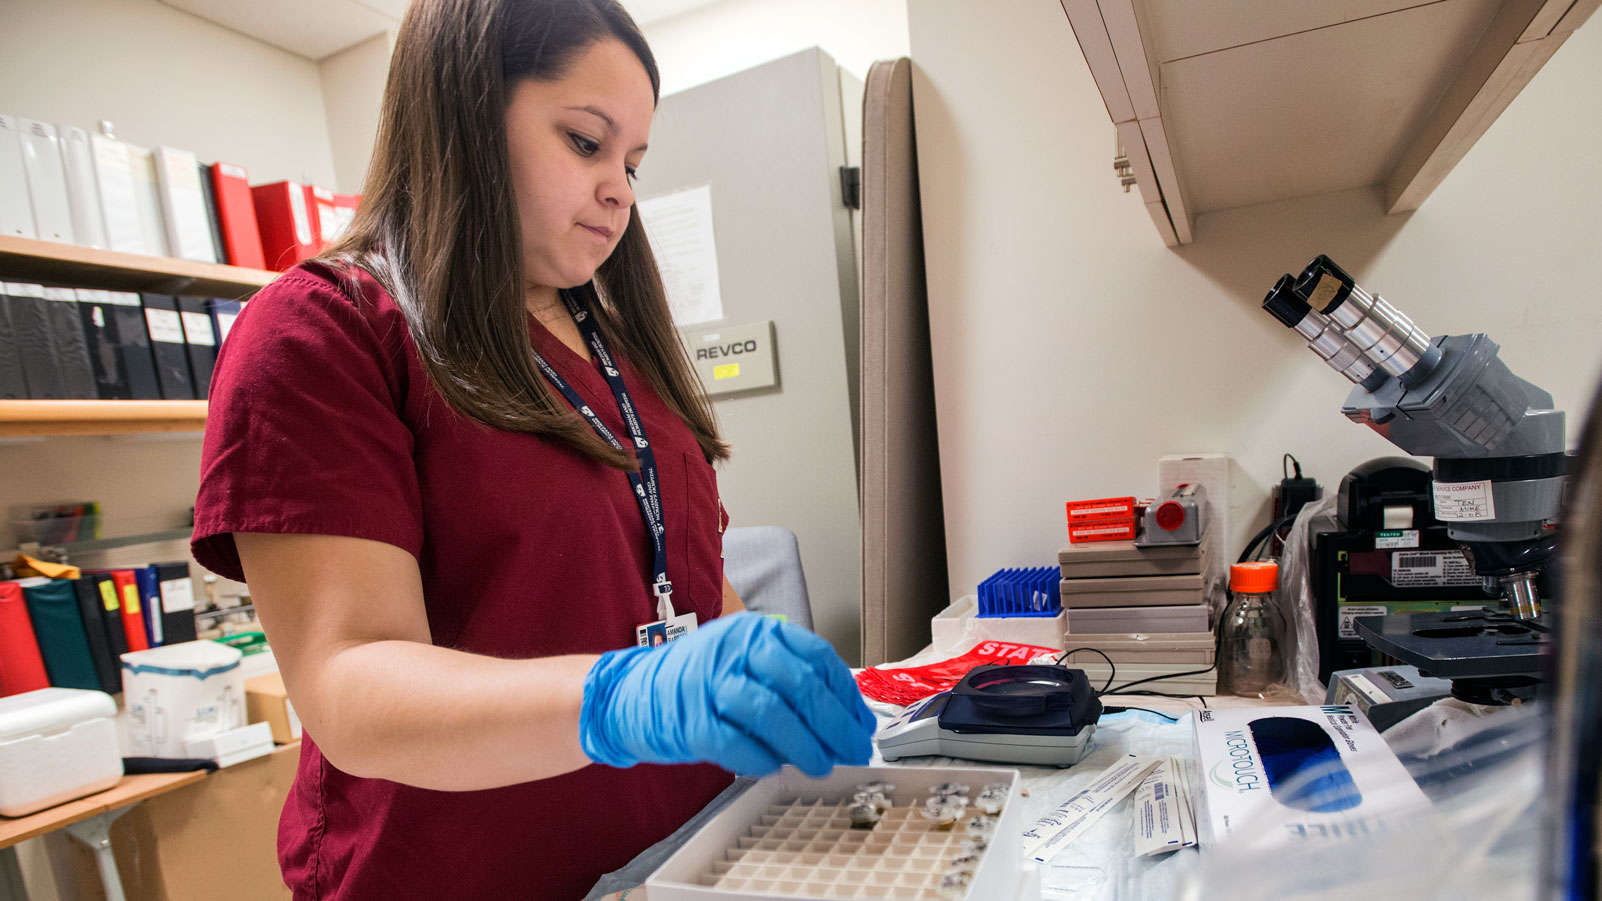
column 316, row 29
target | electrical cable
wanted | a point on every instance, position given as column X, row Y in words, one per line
column 1257, row 539
column 1112, row 666
column 1294, row 462
column 1171, row 719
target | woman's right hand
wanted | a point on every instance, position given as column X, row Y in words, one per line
column 745, row 692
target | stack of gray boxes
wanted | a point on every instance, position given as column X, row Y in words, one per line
column 1143, row 607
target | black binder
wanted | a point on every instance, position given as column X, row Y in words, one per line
column 167, row 346
column 72, row 352
column 119, row 347
column 177, row 602
column 213, row 219
column 201, row 342
column 13, row 383
column 91, row 608
column 30, row 322
column 223, row 313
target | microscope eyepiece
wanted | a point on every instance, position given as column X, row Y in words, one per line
column 1324, row 285
column 1283, row 303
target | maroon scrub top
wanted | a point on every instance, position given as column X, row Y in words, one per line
column 322, row 421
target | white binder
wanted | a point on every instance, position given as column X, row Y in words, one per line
column 83, row 195
column 16, row 210
column 183, row 206
column 118, row 207
column 147, row 200
column 47, row 181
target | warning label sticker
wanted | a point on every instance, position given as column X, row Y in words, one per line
column 1431, row 569
column 1350, row 613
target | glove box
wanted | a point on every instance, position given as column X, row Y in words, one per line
column 56, row 744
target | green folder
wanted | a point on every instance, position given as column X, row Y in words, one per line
column 58, row 627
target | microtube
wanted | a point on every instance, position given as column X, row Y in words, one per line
column 863, row 815
column 981, row 826
column 954, row 885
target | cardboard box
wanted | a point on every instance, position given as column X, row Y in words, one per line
column 1284, row 775
column 267, row 702
column 217, row 838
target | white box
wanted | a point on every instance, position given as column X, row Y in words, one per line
column 56, row 744
column 960, row 624
column 728, row 841
column 1283, row 775
column 179, row 693
column 233, row 746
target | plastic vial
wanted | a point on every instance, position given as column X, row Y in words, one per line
column 982, row 827
column 947, row 789
column 941, row 812
column 863, row 815
column 874, row 798
column 964, row 863
column 954, row 885
column 1252, row 634
column 992, row 799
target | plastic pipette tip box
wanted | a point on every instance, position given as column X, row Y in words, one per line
column 790, row 837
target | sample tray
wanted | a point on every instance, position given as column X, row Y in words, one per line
column 788, row 837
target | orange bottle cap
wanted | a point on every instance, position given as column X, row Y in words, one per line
column 1255, row 577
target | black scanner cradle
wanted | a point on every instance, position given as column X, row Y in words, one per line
column 1042, row 715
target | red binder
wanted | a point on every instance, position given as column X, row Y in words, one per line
column 133, row 622
column 330, row 214
column 236, row 213
column 285, row 221
column 21, row 666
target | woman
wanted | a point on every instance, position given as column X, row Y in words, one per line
column 465, row 467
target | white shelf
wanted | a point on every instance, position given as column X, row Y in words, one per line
column 1228, row 105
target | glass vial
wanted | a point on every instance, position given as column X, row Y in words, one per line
column 1252, row 634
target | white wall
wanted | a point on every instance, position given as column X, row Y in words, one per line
column 353, row 93
column 1072, row 349
column 165, row 77
column 710, row 42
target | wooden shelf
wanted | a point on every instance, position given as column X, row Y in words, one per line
column 25, row 259
column 99, row 417
column 129, row 790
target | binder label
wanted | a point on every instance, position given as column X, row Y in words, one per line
column 165, row 325
column 177, row 594
column 197, row 329
column 108, row 596
column 130, row 599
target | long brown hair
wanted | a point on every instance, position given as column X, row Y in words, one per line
column 438, row 223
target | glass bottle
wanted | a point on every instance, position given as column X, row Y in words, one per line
column 1252, row 633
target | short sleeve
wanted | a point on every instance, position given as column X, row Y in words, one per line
column 305, row 431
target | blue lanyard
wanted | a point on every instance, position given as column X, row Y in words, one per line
column 646, row 488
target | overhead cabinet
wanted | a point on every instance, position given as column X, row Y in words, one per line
column 1228, row 103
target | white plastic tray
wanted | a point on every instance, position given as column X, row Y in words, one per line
column 787, row 838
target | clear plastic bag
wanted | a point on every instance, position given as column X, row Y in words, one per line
column 1295, row 599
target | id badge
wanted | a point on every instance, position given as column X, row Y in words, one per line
column 663, row 631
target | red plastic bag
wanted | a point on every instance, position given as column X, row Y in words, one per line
column 914, row 683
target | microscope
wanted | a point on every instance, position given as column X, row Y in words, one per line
column 1498, row 474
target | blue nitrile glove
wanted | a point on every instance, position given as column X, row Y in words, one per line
column 745, row 692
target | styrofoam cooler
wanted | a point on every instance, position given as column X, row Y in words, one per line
column 56, row 744
column 180, row 693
